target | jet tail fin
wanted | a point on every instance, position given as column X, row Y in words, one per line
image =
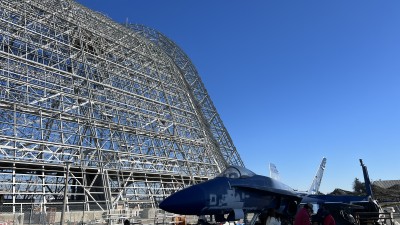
column 273, row 172
column 318, row 178
column 367, row 181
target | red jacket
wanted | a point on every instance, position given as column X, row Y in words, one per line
column 302, row 217
column 329, row 220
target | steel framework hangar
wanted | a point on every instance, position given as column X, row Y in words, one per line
column 107, row 114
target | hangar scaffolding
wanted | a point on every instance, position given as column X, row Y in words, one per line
column 122, row 103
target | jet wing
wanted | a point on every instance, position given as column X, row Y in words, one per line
column 269, row 190
column 343, row 205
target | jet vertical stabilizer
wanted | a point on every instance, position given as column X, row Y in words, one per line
column 368, row 187
column 273, row 171
column 317, row 179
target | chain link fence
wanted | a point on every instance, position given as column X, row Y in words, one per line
column 48, row 215
column 37, row 214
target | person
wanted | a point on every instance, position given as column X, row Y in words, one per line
column 303, row 216
column 328, row 218
column 272, row 218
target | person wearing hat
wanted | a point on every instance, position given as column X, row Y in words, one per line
column 303, row 216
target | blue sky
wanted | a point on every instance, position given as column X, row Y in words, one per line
column 293, row 81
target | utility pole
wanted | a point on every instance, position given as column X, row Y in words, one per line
column 67, row 164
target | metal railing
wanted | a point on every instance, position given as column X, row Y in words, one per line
column 372, row 218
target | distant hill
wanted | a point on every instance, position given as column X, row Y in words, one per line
column 381, row 194
column 387, row 194
column 339, row 191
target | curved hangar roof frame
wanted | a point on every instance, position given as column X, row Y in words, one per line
column 123, row 104
column 199, row 92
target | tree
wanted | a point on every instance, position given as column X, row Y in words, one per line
column 358, row 187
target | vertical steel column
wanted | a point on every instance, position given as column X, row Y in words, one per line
column 67, row 163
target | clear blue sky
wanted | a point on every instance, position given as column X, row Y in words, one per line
column 293, row 81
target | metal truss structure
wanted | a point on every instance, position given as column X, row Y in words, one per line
column 99, row 114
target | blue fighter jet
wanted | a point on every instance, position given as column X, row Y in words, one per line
column 345, row 207
column 231, row 195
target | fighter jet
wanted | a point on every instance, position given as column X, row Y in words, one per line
column 345, row 207
column 231, row 195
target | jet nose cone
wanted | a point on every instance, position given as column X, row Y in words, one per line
column 188, row 201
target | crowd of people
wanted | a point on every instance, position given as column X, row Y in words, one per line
column 304, row 216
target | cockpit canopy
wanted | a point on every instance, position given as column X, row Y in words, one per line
column 236, row 172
